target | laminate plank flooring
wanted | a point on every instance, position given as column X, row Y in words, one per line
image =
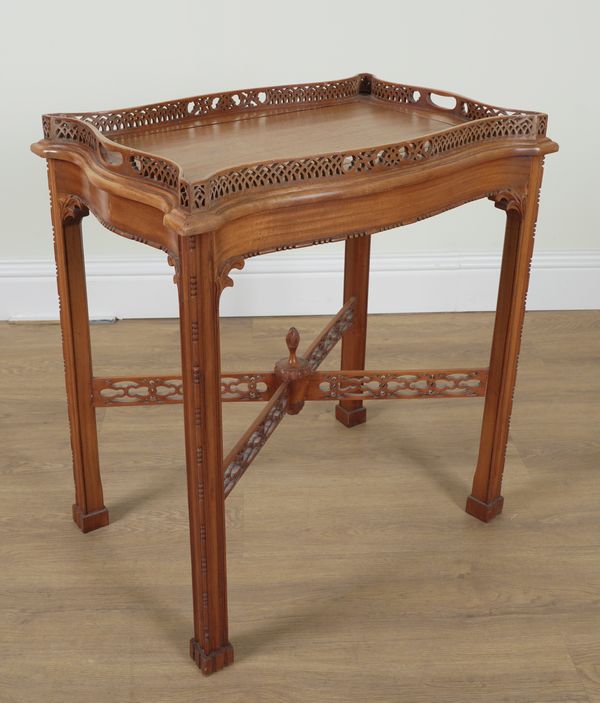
column 354, row 574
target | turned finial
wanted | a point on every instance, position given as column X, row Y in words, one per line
column 293, row 371
column 292, row 340
column 293, row 367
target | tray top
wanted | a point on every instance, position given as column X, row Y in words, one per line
column 210, row 148
column 202, row 149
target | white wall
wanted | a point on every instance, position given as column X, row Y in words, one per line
column 68, row 56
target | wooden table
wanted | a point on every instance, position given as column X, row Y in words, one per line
column 214, row 179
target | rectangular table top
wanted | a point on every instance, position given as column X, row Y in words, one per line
column 203, row 148
column 212, row 148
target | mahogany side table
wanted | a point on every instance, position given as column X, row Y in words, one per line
column 214, row 179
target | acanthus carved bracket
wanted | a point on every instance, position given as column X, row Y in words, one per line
column 224, row 280
column 174, row 262
column 510, row 200
column 73, row 209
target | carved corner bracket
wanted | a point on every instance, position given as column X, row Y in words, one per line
column 72, row 209
column 510, row 200
column 224, row 280
column 174, row 262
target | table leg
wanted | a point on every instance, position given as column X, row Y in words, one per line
column 486, row 501
column 201, row 369
column 89, row 511
column 354, row 341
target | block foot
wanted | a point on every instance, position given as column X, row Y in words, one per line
column 484, row 511
column 356, row 416
column 90, row 521
column 210, row 662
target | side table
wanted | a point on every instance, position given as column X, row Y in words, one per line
column 214, row 179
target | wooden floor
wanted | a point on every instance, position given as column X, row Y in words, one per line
column 354, row 574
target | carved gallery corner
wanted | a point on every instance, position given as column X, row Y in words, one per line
column 204, row 180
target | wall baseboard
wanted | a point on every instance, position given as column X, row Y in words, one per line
column 293, row 284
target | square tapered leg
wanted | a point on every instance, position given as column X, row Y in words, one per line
column 354, row 341
column 89, row 512
column 201, row 371
column 485, row 501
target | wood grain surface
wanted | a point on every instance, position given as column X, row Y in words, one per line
column 204, row 149
column 353, row 571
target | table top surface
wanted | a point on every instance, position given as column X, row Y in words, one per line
column 210, row 148
column 204, row 148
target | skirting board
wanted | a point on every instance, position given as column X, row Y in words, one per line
column 280, row 284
